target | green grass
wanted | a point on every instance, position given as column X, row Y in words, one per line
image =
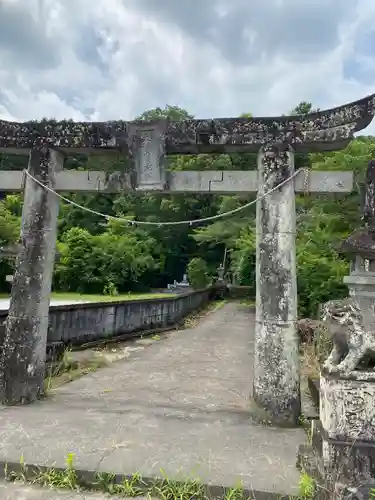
column 108, row 298
column 102, row 298
column 133, row 486
column 69, row 369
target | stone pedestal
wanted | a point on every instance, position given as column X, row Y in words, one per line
column 347, row 415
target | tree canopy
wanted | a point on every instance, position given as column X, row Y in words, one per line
column 97, row 256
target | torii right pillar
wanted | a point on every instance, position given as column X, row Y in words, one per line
column 276, row 383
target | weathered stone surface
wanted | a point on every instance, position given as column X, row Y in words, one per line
column 147, row 151
column 10, row 252
column 369, row 208
column 361, row 242
column 218, row 182
column 342, row 452
column 276, row 365
column 325, row 130
column 313, row 386
column 351, row 329
column 347, row 415
column 347, row 410
column 22, row 362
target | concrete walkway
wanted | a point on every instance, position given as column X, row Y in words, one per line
column 19, row 491
column 179, row 404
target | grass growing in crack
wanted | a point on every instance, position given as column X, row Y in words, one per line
column 67, row 369
column 235, row 493
column 129, row 486
column 168, row 489
column 20, row 475
column 307, row 486
column 60, row 479
column 132, row 486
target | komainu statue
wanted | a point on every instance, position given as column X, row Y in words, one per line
column 353, row 343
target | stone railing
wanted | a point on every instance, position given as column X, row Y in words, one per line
column 77, row 324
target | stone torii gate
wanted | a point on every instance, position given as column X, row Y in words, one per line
column 276, row 386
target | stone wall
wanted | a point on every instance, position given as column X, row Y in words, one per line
column 79, row 323
column 241, row 292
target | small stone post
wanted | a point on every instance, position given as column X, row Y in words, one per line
column 22, row 362
column 276, row 358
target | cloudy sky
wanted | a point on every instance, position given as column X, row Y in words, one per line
column 113, row 59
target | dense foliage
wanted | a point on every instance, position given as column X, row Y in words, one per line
column 111, row 257
column 197, row 272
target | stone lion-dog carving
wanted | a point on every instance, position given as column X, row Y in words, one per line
column 353, row 343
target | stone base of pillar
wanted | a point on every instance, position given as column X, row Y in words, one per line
column 342, row 451
column 347, row 415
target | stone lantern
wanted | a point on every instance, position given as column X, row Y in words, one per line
column 220, row 274
column 360, row 246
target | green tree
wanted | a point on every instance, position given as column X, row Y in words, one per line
column 173, row 113
column 9, row 235
column 197, row 272
column 304, row 108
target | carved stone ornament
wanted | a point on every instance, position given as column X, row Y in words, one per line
column 353, row 342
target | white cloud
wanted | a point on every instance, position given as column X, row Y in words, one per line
column 112, row 59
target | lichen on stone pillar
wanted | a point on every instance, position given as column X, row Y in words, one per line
column 22, row 361
column 276, row 361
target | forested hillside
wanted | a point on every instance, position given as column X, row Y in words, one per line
column 97, row 256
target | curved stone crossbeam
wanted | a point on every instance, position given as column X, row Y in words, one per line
column 322, row 131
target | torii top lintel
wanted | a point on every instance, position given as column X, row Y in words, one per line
column 322, row 131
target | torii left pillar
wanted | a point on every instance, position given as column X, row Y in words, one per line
column 22, row 362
